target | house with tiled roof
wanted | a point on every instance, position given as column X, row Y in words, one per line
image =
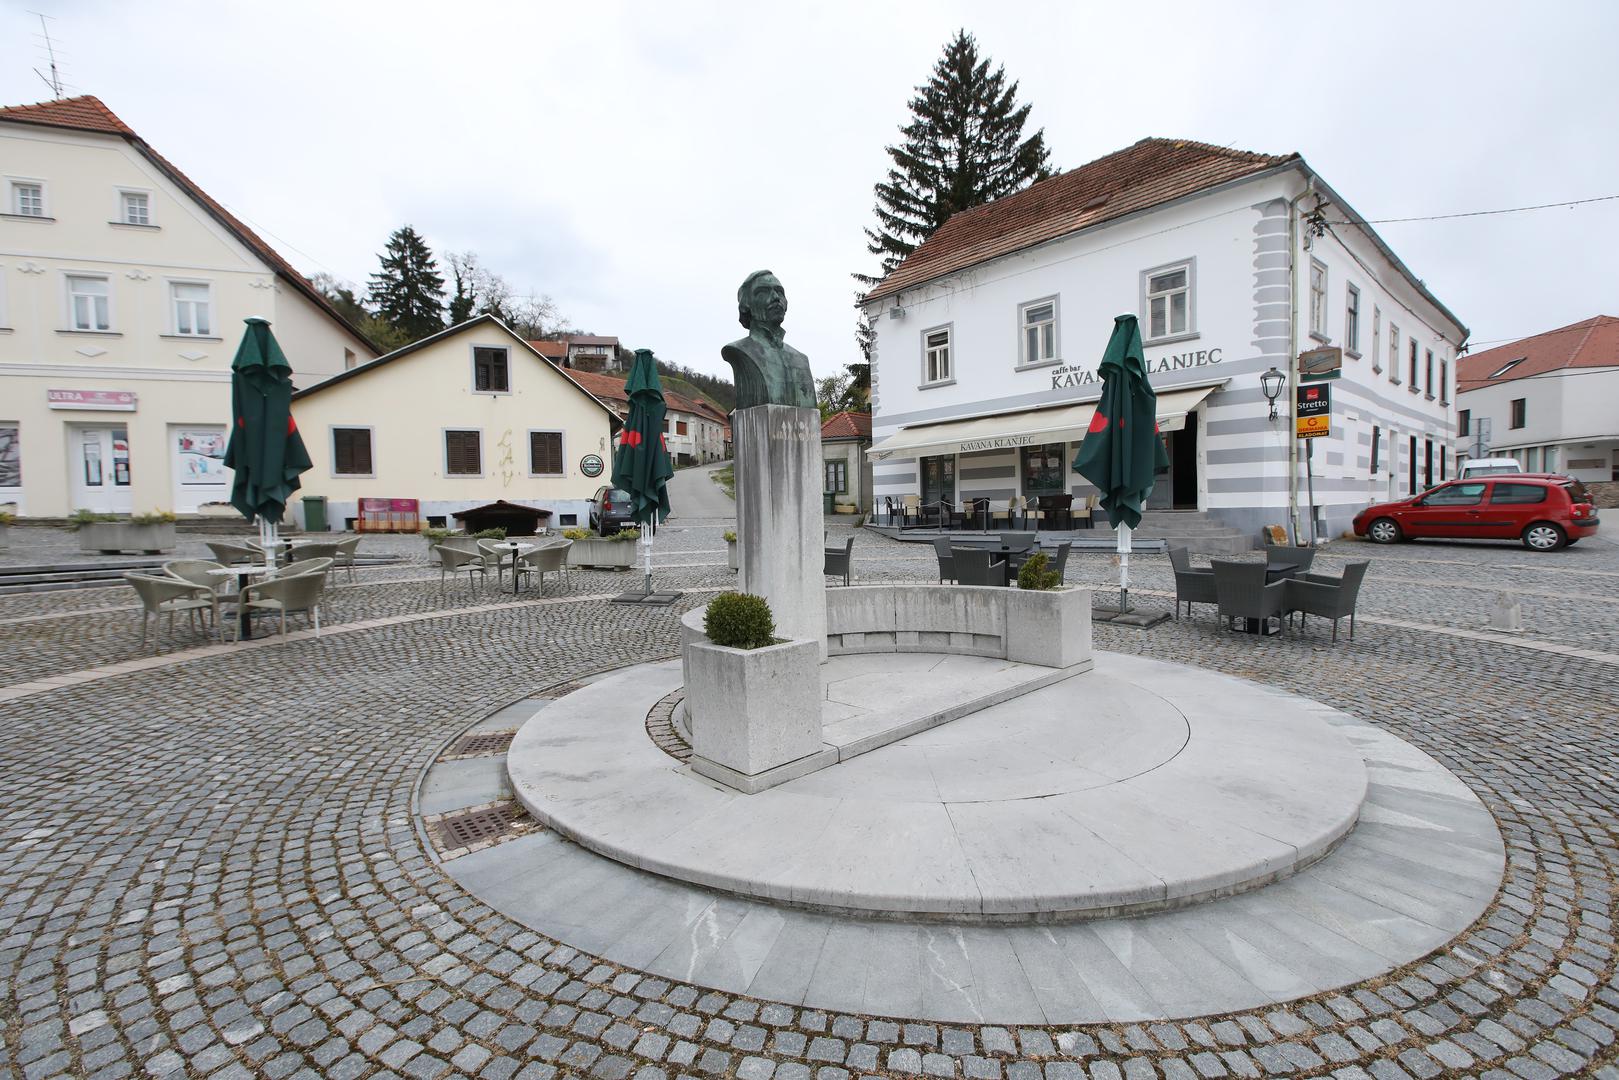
column 123, row 288
column 694, row 430
column 845, row 437
column 984, row 374
column 1551, row 401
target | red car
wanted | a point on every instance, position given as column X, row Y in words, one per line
column 1542, row 510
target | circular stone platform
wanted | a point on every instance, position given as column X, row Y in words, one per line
column 1138, row 786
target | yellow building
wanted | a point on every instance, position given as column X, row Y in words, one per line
column 123, row 287
column 461, row 419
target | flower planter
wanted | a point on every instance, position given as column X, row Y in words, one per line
column 112, row 537
column 602, row 554
column 753, row 710
column 730, row 554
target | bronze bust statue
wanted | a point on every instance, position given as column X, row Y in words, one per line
column 768, row 371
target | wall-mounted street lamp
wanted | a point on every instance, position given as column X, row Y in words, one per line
column 1271, row 383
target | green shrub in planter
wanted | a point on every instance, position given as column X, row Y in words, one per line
column 739, row 621
column 155, row 517
column 80, row 518
column 576, row 534
column 624, row 535
column 7, row 518
column 433, row 536
column 1034, row 574
column 490, row 534
column 730, row 536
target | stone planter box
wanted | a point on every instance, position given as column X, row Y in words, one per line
column 603, row 554
column 112, row 537
column 730, row 554
column 757, row 711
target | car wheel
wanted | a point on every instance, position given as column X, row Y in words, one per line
column 1384, row 531
column 1544, row 536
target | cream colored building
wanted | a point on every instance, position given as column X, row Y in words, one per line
column 123, row 287
column 466, row 417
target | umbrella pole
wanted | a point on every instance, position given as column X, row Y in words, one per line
column 1124, row 567
column 647, row 533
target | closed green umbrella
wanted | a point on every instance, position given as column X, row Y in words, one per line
column 641, row 465
column 266, row 453
column 1122, row 451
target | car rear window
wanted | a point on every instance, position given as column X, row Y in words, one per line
column 617, row 495
column 1518, row 493
column 1577, row 491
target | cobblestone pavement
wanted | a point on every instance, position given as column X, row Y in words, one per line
column 212, row 869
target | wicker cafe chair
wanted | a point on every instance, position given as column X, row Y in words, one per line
column 1241, row 592
column 1085, row 513
column 200, row 572
column 1060, row 563
column 947, row 566
column 229, row 554
column 976, row 566
column 502, row 559
column 547, row 558
column 976, row 515
column 456, row 561
column 346, row 550
column 1191, row 586
column 1330, row 598
column 840, row 563
column 910, row 507
column 168, row 596
column 1296, row 557
column 286, row 595
column 1011, row 514
column 315, row 549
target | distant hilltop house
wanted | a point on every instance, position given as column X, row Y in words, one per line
column 984, row 375
column 1551, row 401
column 582, row 352
column 697, row 432
column 123, row 287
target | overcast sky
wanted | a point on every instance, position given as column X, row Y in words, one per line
column 636, row 161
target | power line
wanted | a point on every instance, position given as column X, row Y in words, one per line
column 1477, row 213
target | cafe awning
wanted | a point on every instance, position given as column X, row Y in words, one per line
column 1028, row 427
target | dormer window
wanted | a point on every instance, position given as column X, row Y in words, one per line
column 1506, row 367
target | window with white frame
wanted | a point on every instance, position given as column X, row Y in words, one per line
column 134, row 208
column 1377, row 339
column 1318, row 299
column 27, row 198
column 1037, row 323
column 936, row 358
column 89, row 302
column 1167, row 291
column 1394, row 354
column 1444, row 381
column 1352, row 320
column 193, row 308
column 1414, row 349
column 1427, row 372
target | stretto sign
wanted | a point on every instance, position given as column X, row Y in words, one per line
column 1071, row 375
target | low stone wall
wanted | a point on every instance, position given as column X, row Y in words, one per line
column 1050, row 628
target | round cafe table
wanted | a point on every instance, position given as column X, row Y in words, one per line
column 242, row 574
column 517, row 551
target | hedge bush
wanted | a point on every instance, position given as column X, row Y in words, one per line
column 739, row 621
column 154, row 517
column 490, row 534
column 577, row 534
column 1034, row 574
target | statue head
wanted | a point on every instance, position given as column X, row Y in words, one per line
column 761, row 299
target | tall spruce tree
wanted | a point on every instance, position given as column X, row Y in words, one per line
column 963, row 147
column 408, row 292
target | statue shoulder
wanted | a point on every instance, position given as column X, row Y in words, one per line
column 742, row 349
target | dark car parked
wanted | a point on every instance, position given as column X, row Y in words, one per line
column 610, row 510
column 1541, row 510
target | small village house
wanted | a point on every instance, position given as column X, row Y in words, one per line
column 845, row 438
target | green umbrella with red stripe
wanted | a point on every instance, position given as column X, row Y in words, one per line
column 266, row 454
column 641, row 465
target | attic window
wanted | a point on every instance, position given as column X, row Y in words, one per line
column 1508, row 366
column 1096, row 203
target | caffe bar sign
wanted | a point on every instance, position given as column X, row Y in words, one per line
column 1071, row 375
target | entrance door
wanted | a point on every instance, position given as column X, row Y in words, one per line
column 939, row 479
column 98, row 459
column 1177, row 489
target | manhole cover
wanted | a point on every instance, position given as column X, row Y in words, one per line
column 484, row 742
column 477, row 826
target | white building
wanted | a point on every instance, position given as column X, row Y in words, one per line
column 123, row 287
column 1551, row 401
column 988, row 335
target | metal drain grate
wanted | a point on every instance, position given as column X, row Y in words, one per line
column 477, row 826
column 484, row 742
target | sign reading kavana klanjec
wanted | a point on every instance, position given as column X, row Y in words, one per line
column 1071, row 375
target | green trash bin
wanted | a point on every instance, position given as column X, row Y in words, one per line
column 827, row 507
column 314, row 513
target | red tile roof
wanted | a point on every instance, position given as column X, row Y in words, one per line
column 1151, row 172
column 1591, row 343
column 87, row 113
column 556, row 350
column 847, row 425
column 610, row 388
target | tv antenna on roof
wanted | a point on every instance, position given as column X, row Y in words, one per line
column 55, row 79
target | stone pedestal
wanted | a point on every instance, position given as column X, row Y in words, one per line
column 780, row 526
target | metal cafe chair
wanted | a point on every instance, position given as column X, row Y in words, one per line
column 976, row 566
column 840, row 563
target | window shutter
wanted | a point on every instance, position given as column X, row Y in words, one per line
column 351, row 451
column 545, row 452
column 461, row 452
